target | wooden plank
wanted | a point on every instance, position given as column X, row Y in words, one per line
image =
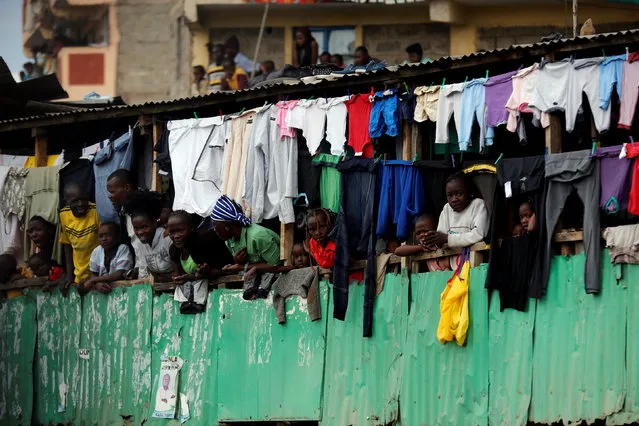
column 156, row 180
column 566, row 235
column 41, row 146
column 553, row 135
column 407, row 137
column 287, row 235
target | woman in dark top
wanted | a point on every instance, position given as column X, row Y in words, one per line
column 305, row 48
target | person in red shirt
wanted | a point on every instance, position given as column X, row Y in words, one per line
column 318, row 225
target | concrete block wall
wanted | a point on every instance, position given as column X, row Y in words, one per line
column 389, row 42
column 148, row 53
column 272, row 46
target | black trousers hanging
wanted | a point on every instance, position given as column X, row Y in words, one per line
column 354, row 234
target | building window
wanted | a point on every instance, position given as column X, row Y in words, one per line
column 336, row 40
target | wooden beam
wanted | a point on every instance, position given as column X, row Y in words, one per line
column 287, row 239
column 156, row 180
column 41, row 146
column 553, row 135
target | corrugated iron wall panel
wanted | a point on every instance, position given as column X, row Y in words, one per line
column 17, row 344
column 56, row 358
column 116, row 379
column 510, row 352
column 363, row 375
column 268, row 371
column 194, row 339
column 579, row 346
column 445, row 384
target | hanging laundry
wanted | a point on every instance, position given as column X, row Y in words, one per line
column 10, row 237
column 298, row 282
column 629, row 93
column 315, row 123
column 560, row 87
column 611, row 78
column 401, row 199
column 13, row 160
column 283, row 109
column 427, row 99
column 354, row 233
column 52, row 160
column 511, row 265
column 282, row 176
column 499, row 88
column 235, row 155
column 257, row 161
column 483, row 177
column 632, row 152
column 113, row 155
column 384, row 116
column 359, row 114
column 616, row 179
column 42, row 198
column 190, row 143
column 453, row 305
column 336, row 114
column 308, row 179
column 567, row 173
column 163, row 158
column 329, row 181
column 524, row 86
column 449, row 105
column 407, row 104
column 473, row 107
column 622, row 243
column 12, row 197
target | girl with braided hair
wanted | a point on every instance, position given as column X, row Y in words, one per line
column 319, row 223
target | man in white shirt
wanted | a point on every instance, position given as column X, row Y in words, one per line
column 165, row 399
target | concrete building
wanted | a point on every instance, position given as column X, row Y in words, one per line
column 143, row 49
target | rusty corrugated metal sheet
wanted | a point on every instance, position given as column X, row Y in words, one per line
column 579, row 346
column 510, row 352
column 445, row 384
column 56, row 357
column 17, row 343
column 363, row 375
column 267, row 371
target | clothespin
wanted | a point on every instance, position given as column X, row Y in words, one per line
column 443, row 82
column 431, row 85
column 242, row 110
column 406, row 87
column 486, row 74
column 311, row 98
column 286, row 99
column 221, row 115
column 627, row 53
column 604, row 53
column 594, row 146
column 384, row 159
column 466, row 79
column 632, row 141
column 452, row 159
column 546, row 153
column 499, row 158
column 195, row 114
column 349, row 93
column 414, row 157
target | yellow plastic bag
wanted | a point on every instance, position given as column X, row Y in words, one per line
column 453, row 305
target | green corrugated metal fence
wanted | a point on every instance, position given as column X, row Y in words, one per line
column 570, row 357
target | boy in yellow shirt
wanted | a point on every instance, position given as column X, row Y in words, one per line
column 79, row 224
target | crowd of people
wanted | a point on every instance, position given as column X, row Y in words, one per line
column 230, row 69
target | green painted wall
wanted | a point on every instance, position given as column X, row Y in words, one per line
column 571, row 357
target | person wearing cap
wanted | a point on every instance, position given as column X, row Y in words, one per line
column 252, row 245
column 215, row 72
column 232, row 51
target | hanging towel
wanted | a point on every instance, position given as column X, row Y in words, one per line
column 453, row 305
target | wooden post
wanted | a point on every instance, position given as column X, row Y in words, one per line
column 553, row 135
column 41, row 143
column 287, row 234
column 156, row 179
column 407, row 139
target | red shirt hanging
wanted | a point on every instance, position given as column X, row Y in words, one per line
column 359, row 115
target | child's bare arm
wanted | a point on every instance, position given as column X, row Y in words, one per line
column 406, row 250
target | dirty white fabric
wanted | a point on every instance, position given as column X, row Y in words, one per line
column 623, row 244
column 10, row 241
column 235, row 155
column 336, row 114
column 449, row 105
column 187, row 142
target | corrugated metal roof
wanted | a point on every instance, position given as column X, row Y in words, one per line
column 402, row 72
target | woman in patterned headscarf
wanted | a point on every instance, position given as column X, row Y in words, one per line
column 251, row 245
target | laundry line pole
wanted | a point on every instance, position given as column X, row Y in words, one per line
column 259, row 38
column 574, row 18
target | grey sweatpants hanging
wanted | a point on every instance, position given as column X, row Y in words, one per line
column 565, row 173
